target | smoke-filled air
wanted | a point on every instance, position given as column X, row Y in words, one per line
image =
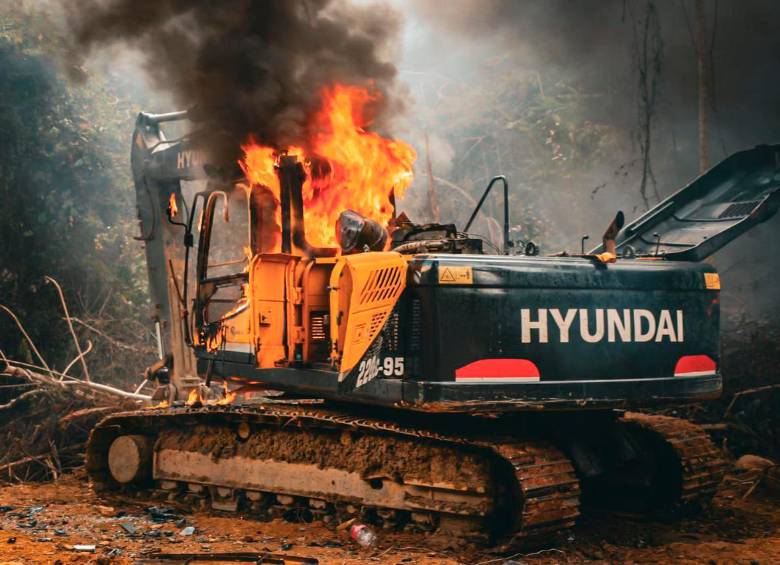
column 389, row 281
column 249, row 68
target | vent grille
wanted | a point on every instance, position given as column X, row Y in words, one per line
column 318, row 327
column 415, row 335
column 392, row 338
column 382, row 284
column 739, row 209
column 376, row 323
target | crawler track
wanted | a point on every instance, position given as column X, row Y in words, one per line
column 285, row 459
column 700, row 464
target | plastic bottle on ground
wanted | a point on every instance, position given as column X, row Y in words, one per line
column 363, row 535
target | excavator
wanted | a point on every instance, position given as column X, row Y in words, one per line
column 410, row 378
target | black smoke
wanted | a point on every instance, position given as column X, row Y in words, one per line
column 250, row 68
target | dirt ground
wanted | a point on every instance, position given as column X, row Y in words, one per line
column 41, row 523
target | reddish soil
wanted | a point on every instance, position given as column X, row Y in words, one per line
column 49, row 519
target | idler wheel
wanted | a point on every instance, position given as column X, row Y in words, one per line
column 130, row 458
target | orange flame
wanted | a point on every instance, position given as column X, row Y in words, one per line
column 162, row 404
column 193, row 397
column 348, row 168
column 173, row 208
column 228, row 399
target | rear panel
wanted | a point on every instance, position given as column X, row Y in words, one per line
column 504, row 326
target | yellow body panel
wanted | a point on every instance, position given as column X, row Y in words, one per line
column 270, row 281
column 280, row 317
column 363, row 291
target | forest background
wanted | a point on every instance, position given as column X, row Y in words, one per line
column 587, row 108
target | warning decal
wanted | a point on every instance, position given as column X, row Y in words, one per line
column 455, row 275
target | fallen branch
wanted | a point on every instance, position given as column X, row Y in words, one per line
column 70, row 326
column 37, row 458
column 80, row 356
column 746, row 392
column 109, row 389
column 19, row 325
column 22, row 397
column 104, row 335
column 73, row 380
column 45, row 435
column 66, row 421
column 96, row 387
column 141, row 386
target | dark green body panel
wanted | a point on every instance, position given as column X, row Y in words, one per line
column 462, row 324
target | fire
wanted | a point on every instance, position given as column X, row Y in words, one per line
column 228, row 397
column 160, row 405
column 193, row 397
column 173, row 208
column 348, row 168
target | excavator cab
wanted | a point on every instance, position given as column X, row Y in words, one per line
column 267, row 301
column 223, row 257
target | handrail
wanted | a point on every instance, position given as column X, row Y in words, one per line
column 501, row 178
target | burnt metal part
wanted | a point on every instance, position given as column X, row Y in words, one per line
column 220, row 557
column 407, row 231
column 410, row 239
column 526, row 494
column 614, row 227
column 356, row 233
column 459, row 244
column 291, row 176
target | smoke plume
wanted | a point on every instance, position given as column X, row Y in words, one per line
column 250, row 68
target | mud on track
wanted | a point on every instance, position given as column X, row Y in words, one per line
column 366, row 454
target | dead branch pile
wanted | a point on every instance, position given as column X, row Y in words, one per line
column 45, row 422
column 46, row 415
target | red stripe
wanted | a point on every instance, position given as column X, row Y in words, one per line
column 499, row 368
column 694, row 364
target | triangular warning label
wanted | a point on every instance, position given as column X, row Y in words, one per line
column 455, row 275
column 446, row 275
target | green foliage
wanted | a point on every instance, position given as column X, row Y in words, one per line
column 66, row 197
column 529, row 127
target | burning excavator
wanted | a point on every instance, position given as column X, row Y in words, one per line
column 376, row 367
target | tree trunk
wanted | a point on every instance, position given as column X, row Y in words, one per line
column 702, row 55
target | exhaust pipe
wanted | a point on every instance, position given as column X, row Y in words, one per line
column 291, row 178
